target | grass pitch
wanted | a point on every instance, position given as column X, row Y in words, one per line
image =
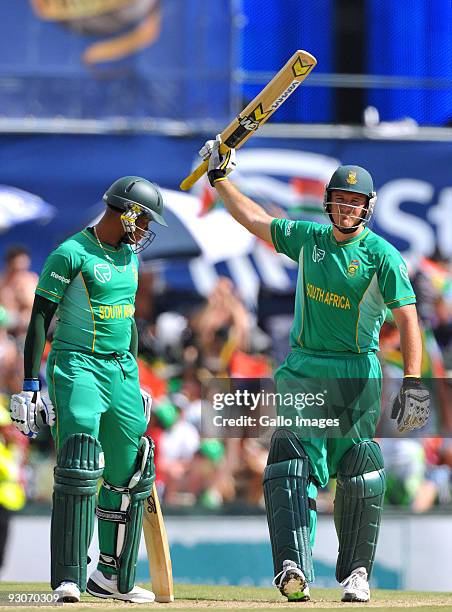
column 231, row 597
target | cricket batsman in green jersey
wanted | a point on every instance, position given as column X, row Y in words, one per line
column 348, row 277
column 95, row 407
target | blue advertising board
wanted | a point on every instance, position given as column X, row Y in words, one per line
column 71, row 173
column 115, row 58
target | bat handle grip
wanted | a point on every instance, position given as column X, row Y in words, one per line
column 199, row 171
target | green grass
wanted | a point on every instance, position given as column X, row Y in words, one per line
column 232, row 597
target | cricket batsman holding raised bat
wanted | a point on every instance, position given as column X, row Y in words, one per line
column 95, row 408
column 348, row 277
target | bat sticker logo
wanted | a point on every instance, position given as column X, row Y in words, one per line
column 151, row 506
column 299, row 68
column 254, row 119
column 249, row 124
column 285, row 94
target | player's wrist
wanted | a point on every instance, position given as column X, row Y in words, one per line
column 216, row 176
column 31, row 384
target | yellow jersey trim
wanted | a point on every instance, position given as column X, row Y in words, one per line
column 359, row 315
column 410, row 297
column 301, row 263
column 92, row 312
column 55, row 404
column 358, row 238
column 273, row 233
column 49, row 292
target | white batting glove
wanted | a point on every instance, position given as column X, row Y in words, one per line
column 30, row 411
column 220, row 165
column 147, row 404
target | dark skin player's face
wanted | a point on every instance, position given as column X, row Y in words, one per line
column 142, row 225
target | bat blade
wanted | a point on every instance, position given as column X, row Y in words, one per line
column 158, row 549
column 259, row 110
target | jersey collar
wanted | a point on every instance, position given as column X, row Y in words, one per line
column 350, row 241
column 88, row 233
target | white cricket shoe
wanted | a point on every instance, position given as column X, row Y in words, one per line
column 101, row 586
column 292, row 582
column 67, row 592
column 356, row 586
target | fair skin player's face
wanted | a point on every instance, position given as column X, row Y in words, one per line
column 346, row 208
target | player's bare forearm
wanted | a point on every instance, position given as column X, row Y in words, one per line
column 410, row 339
column 245, row 211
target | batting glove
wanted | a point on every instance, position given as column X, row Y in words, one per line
column 411, row 407
column 220, row 165
column 147, row 404
column 30, row 410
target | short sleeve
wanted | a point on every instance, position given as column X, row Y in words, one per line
column 289, row 236
column 394, row 282
column 60, row 268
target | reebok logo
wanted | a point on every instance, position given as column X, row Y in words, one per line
column 60, row 278
column 289, row 228
column 404, row 273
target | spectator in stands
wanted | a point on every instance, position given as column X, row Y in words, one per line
column 13, row 448
column 178, row 444
column 222, row 326
column 17, row 288
column 11, row 367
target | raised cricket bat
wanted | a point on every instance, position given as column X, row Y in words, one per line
column 260, row 109
column 158, row 549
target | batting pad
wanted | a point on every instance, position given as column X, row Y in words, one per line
column 79, row 466
column 286, row 500
column 361, row 484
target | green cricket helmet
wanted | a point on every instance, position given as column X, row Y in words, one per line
column 135, row 197
column 356, row 180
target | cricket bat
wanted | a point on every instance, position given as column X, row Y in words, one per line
column 158, row 549
column 282, row 85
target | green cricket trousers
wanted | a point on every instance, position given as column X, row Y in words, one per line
column 350, row 385
column 100, row 395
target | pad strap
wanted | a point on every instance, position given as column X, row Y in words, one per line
column 108, row 561
column 114, row 516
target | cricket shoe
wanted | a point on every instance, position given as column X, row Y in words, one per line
column 356, row 586
column 106, row 587
column 67, row 592
column 292, row 583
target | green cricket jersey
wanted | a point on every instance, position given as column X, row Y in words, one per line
column 96, row 301
column 343, row 288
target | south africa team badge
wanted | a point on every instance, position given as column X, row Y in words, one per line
column 352, row 267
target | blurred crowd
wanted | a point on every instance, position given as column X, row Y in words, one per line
column 188, row 340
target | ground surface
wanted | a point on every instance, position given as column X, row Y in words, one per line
column 227, row 598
